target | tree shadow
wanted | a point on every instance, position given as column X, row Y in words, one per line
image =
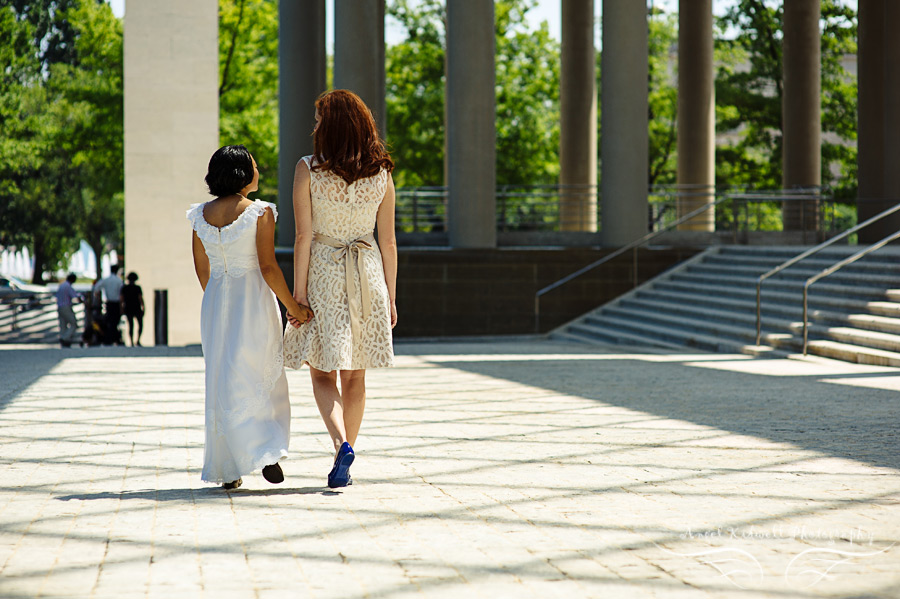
column 189, row 495
column 833, row 413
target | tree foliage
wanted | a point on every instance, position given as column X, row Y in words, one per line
column 749, row 96
column 662, row 100
column 62, row 130
column 248, row 84
column 415, row 93
column 527, row 84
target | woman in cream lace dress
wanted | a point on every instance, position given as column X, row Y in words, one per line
column 341, row 193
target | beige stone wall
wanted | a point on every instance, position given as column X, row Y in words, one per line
column 171, row 130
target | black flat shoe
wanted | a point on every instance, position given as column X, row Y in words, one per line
column 232, row 485
column 273, row 473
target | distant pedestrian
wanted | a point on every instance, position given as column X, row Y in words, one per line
column 133, row 301
column 68, row 324
column 111, row 288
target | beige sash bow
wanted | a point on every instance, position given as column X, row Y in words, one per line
column 352, row 254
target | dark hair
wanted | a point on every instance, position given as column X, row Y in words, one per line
column 114, row 268
column 230, row 170
column 346, row 141
column 71, row 278
column 132, row 277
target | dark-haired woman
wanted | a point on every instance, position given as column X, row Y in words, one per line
column 341, row 193
column 133, row 300
column 248, row 412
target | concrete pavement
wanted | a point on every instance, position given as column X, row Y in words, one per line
column 485, row 469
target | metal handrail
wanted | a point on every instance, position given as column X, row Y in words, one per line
column 805, row 255
column 832, row 269
column 633, row 245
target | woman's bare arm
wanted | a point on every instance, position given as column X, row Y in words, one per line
column 271, row 272
column 387, row 242
column 303, row 231
column 201, row 260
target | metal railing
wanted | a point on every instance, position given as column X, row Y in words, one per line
column 807, row 254
column 832, row 269
column 519, row 207
column 631, row 246
column 555, row 207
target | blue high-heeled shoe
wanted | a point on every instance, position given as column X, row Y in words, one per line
column 340, row 473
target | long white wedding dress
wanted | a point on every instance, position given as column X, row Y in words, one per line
column 248, row 413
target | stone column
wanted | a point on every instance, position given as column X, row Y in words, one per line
column 696, row 113
column 359, row 53
column 871, row 109
column 578, row 119
column 624, row 135
column 470, row 129
column 801, row 110
column 891, row 122
column 301, row 78
column 171, row 80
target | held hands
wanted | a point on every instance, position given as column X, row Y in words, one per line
column 299, row 313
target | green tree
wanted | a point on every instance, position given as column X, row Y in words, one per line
column 415, row 93
column 61, row 144
column 94, row 139
column 662, row 98
column 749, row 96
column 248, row 84
column 527, row 67
column 32, row 171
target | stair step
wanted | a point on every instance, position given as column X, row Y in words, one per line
column 869, row 322
column 715, row 328
column 872, row 262
column 854, row 353
column 769, row 295
column 679, row 337
column 862, row 338
column 638, row 306
column 774, row 315
column 770, row 309
column 799, row 274
column 820, row 288
column 590, row 332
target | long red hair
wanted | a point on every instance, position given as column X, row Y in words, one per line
column 346, row 142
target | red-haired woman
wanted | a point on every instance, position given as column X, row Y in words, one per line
column 341, row 193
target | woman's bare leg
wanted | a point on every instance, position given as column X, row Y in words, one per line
column 328, row 399
column 353, row 398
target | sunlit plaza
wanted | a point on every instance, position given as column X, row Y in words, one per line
column 491, row 469
column 648, row 292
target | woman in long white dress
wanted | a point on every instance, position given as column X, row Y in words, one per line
column 341, row 192
column 248, row 412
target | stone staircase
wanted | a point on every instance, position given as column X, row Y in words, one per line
column 709, row 302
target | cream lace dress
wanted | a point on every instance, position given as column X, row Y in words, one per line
column 248, row 413
column 346, row 287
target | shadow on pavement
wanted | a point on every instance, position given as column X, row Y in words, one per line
column 22, row 365
column 188, row 494
column 830, row 412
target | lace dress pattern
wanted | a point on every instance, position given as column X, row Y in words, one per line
column 343, row 213
column 247, row 405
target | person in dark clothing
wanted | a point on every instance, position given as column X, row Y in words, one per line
column 133, row 300
column 110, row 288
